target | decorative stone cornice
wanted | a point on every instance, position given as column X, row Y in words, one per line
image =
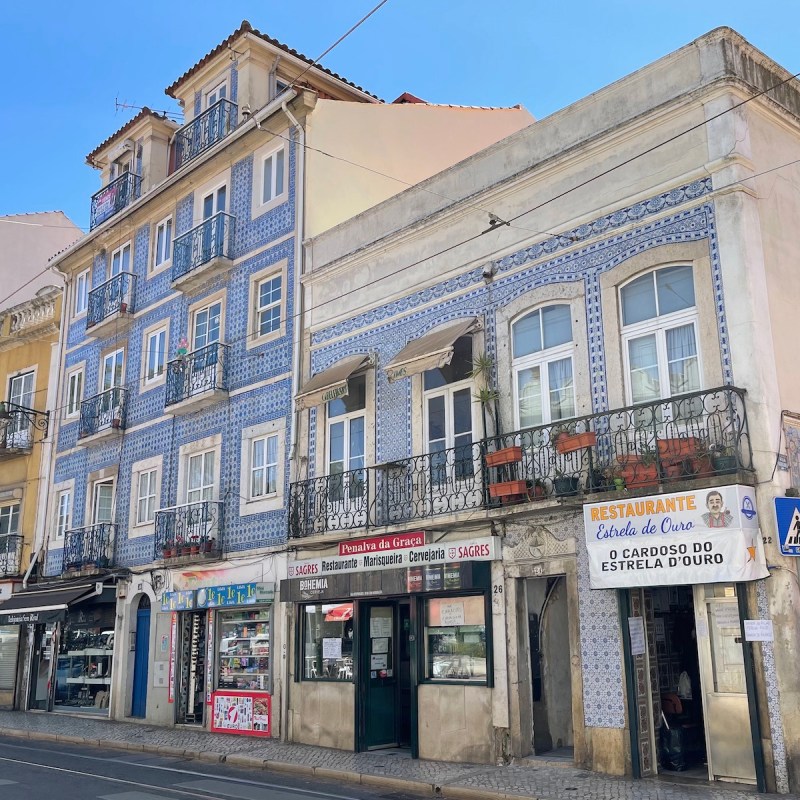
column 31, row 320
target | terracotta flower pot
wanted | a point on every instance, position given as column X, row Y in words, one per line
column 508, row 455
column 567, row 442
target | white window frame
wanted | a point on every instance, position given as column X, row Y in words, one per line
column 273, row 192
column 74, row 373
column 58, row 488
column 658, row 326
column 63, row 522
column 92, row 499
column 161, row 258
column 148, row 382
column 137, row 528
column 82, row 289
column 214, row 88
column 201, row 306
column 8, row 505
column 185, row 452
column 259, row 204
column 264, row 468
column 269, row 502
column 208, row 483
column 120, row 251
column 101, row 372
column 255, row 339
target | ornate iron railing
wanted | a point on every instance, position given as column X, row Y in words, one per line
column 205, row 130
column 10, row 555
column 104, row 411
column 111, row 199
column 191, row 529
column 698, row 435
column 91, row 546
column 115, row 294
column 212, row 238
column 17, row 426
column 337, row 502
column 196, row 373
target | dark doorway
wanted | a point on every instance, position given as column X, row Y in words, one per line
column 141, row 659
column 191, row 692
column 378, row 674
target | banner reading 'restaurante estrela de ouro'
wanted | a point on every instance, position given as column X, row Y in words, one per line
column 707, row 536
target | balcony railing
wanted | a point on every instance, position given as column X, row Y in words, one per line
column 113, row 296
column 187, row 530
column 329, row 503
column 10, row 555
column 103, row 412
column 114, row 197
column 17, row 426
column 205, row 130
column 197, row 373
column 211, row 239
column 87, row 547
column 687, row 437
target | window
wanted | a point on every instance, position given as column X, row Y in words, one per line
column 455, row 639
column 206, row 325
column 328, row 642
column 264, row 466
column 219, row 92
column 268, row 306
column 542, row 351
column 82, row 292
column 74, row 392
column 20, row 392
column 244, row 657
column 63, row 512
column 9, row 519
column 163, row 243
column 200, row 477
column 121, row 260
column 155, row 354
column 103, row 502
column 273, row 175
column 146, row 496
column 659, row 332
column 346, row 442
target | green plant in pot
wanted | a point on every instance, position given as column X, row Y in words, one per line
column 724, row 458
column 565, row 485
column 486, row 393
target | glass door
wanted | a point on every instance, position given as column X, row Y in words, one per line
column 20, row 394
column 378, row 675
column 729, row 740
column 214, row 229
column 103, row 504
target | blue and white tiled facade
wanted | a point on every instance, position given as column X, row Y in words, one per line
column 258, row 244
column 684, row 214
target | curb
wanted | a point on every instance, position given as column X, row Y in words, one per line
column 306, row 770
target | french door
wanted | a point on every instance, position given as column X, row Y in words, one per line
column 346, row 479
column 20, row 394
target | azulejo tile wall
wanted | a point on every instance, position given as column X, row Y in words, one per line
column 149, row 432
column 680, row 215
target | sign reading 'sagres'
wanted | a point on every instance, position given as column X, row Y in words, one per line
column 707, row 536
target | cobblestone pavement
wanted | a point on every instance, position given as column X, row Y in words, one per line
column 467, row 781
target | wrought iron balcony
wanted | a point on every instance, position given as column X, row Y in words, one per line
column 17, row 427
column 639, row 447
column 204, row 131
column 10, row 555
column 89, row 547
column 111, row 301
column 329, row 503
column 198, row 378
column 206, row 246
column 111, row 199
column 103, row 414
column 194, row 529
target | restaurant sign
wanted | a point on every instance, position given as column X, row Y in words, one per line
column 707, row 536
column 484, row 549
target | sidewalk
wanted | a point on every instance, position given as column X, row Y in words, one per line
column 389, row 769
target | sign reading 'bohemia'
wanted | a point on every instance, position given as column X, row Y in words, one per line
column 444, row 552
column 707, row 536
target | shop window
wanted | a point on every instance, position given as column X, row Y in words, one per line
column 244, row 649
column 328, row 642
column 455, row 639
column 9, row 646
column 544, row 389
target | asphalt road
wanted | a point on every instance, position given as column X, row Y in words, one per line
column 56, row 771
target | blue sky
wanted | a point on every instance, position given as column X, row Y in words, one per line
column 66, row 62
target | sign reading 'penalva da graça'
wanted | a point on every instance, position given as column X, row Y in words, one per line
column 707, row 536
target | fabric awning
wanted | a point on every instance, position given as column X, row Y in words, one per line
column 41, row 606
column 435, row 349
column 330, row 383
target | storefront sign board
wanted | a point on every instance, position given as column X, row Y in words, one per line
column 243, row 713
column 706, row 536
column 183, row 600
column 382, row 544
column 485, row 549
column 239, row 594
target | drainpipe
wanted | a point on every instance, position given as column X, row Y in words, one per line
column 46, row 453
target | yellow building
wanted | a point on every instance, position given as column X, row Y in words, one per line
column 30, row 312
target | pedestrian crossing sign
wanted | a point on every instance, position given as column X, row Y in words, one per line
column 787, row 514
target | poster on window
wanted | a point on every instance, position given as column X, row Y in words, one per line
column 243, row 713
column 706, row 536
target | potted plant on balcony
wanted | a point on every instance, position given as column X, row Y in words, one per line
column 565, row 485
column 566, row 442
column 724, row 459
column 169, row 551
column 639, row 470
column 684, row 456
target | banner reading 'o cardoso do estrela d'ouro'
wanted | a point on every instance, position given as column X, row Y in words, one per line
column 707, row 536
